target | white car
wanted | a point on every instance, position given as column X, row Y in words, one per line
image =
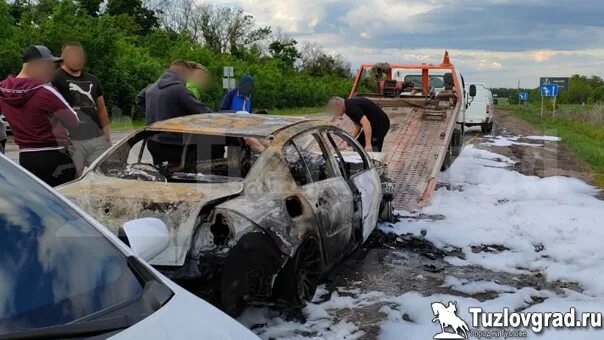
column 480, row 107
column 63, row 275
column 4, row 122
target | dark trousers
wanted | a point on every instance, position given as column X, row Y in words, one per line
column 163, row 152
column 54, row 167
column 377, row 142
column 377, row 138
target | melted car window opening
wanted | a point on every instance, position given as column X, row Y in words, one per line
column 181, row 158
column 354, row 162
column 309, row 163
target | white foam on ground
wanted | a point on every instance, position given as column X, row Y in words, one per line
column 504, row 141
column 550, row 225
column 544, row 138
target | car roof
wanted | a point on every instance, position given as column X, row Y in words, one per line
column 228, row 124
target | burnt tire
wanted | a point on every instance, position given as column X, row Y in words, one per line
column 299, row 278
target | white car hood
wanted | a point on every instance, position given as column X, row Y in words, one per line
column 186, row 316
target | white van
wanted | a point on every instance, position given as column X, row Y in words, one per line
column 480, row 107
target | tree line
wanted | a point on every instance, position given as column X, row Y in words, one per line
column 581, row 90
column 130, row 42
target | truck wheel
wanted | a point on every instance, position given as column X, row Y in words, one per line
column 448, row 158
column 300, row 276
column 490, row 127
column 484, row 128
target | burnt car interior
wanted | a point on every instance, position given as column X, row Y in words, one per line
column 307, row 163
column 180, row 158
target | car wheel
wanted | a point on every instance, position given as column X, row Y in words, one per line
column 484, row 128
column 490, row 127
column 301, row 274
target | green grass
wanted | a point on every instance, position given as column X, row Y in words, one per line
column 302, row 111
column 126, row 124
column 579, row 127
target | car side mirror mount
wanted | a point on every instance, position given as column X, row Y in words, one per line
column 472, row 91
column 147, row 237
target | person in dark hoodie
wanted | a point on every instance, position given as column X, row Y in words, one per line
column 38, row 116
column 168, row 98
column 239, row 98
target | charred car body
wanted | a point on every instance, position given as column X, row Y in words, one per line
column 244, row 226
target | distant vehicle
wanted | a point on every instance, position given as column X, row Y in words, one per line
column 63, row 275
column 480, row 107
column 245, row 225
column 3, row 121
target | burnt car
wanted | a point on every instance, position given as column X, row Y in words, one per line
column 258, row 207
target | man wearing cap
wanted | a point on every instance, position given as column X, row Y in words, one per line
column 38, row 116
column 84, row 93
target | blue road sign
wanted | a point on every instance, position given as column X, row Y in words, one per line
column 549, row 90
column 523, row 96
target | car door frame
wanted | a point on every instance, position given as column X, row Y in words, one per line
column 331, row 201
column 366, row 183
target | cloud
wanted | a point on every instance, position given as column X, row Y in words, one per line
column 502, row 40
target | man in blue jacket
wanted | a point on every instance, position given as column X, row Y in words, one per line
column 239, row 98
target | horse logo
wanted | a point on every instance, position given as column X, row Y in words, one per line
column 447, row 317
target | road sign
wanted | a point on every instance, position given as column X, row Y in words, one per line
column 562, row 82
column 228, row 71
column 523, row 96
column 228, row 81
column 549, row 90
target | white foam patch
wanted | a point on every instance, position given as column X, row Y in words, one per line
column 320, row 322
column 503, row 141
column 544, row 138
column 551, row 225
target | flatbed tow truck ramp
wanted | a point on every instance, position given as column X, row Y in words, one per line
column 426, row 106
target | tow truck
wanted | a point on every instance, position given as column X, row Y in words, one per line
column 426, row 106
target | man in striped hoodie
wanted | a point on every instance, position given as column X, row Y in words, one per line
column 38, row 116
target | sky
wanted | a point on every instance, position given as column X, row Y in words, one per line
column 498, row 42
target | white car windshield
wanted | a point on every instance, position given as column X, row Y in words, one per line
column 55, row 267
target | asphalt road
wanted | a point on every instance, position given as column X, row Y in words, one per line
column 12, row 151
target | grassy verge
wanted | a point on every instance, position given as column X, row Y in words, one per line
column 302, row 111
column 580, row 128
column 126, row 124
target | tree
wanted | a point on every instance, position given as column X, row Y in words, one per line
column 579, row 89
column 285, row 50
column 316, row 62
column 228, row 28
column 144, row 17
column 598, row 94
column 92, row 7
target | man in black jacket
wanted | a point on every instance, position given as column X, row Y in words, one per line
column 168, row 98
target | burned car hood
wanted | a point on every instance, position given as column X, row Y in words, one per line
column 114, row 201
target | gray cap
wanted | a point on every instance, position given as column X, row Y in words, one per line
column 38, row 52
